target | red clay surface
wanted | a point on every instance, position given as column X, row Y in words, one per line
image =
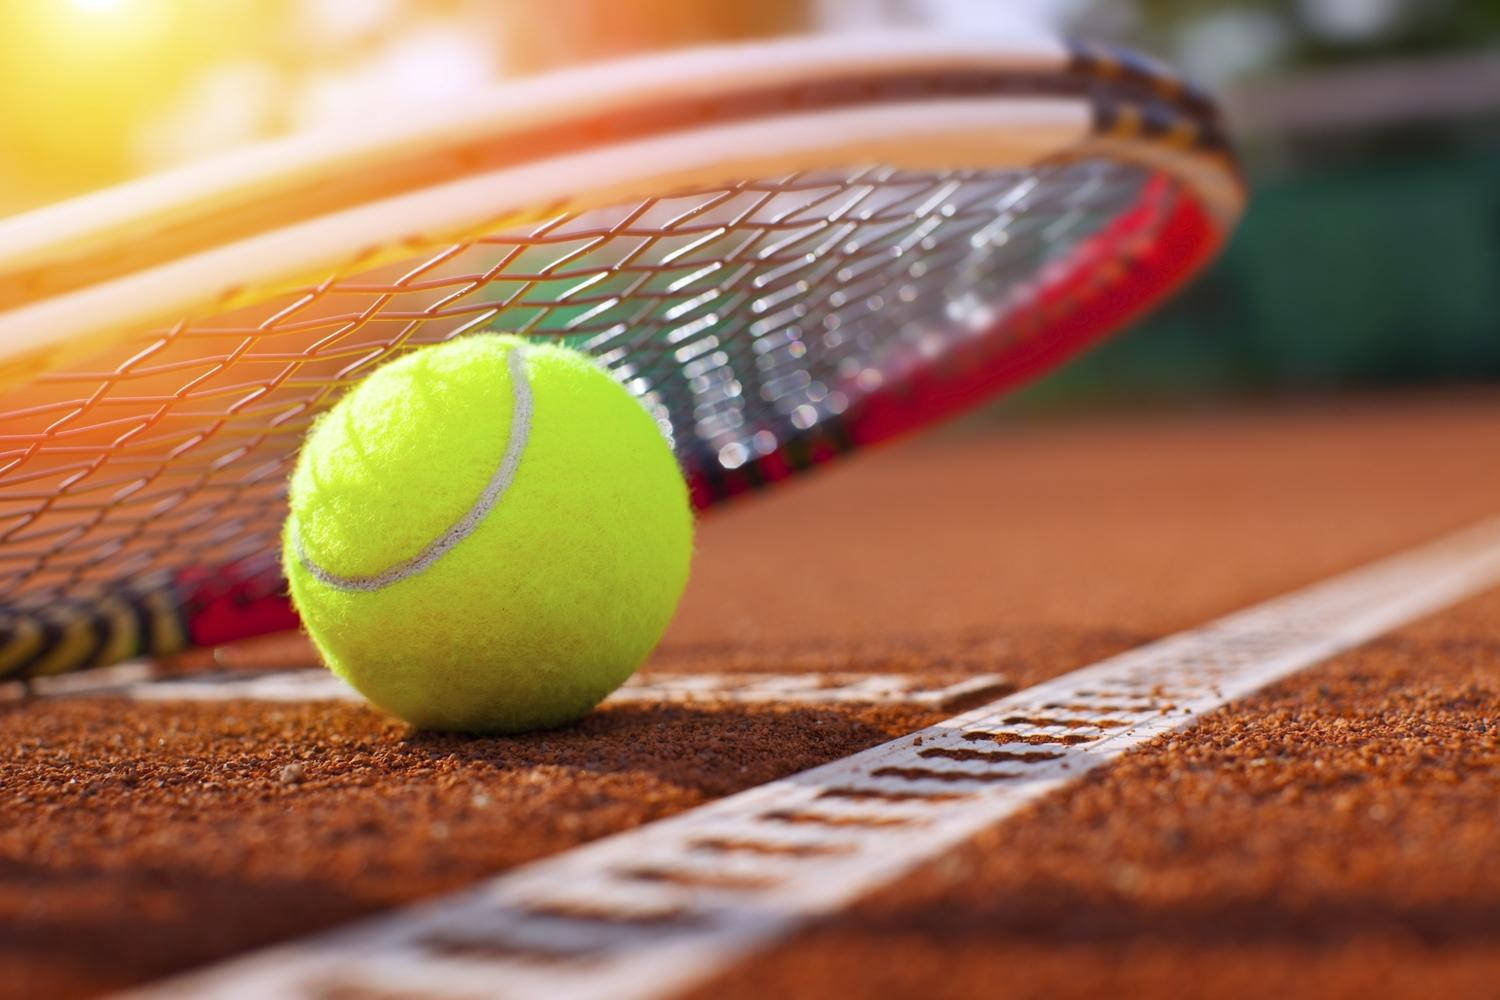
column 1332, row 835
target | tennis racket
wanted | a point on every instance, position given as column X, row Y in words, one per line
column 788, row 251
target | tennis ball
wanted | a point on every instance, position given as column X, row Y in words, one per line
column 486, row 535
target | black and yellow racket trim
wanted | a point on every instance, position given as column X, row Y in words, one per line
column 145, row 621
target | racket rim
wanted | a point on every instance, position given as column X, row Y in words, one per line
column 1118, row 109
column 1106, row 101
column 509, row 106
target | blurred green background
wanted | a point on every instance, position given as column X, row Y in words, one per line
column 1370, row 255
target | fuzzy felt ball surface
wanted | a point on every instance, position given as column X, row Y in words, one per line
column 487, row 535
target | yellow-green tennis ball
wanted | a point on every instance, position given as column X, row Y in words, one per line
column 487, row 535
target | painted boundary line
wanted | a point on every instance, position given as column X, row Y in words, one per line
column 656, row 909
column 135, row 681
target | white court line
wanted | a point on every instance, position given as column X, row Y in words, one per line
column 653, row 910
column 135, row 681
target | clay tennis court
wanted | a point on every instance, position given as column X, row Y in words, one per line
column 1331, row 835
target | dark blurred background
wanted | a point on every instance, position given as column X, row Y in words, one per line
column 1370, row 256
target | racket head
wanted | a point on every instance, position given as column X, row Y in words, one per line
column 788, row 251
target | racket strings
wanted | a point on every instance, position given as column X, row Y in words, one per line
column 744, row 317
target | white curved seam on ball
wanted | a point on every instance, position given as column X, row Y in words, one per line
column 520, row 430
